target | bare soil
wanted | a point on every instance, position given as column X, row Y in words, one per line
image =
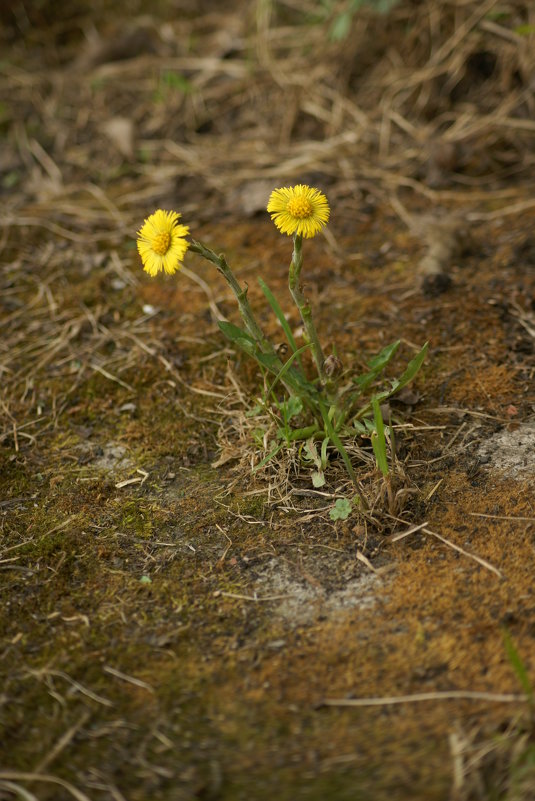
column 172, row 629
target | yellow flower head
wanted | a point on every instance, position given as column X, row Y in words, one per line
column 298, row 210
column 161, row 243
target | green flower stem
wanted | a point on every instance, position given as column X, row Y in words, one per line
column 240, row 294
column 304, row 307
column 294, row 382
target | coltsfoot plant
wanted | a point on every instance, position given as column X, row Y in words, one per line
column 325, row 410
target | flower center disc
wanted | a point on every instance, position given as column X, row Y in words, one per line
column 299, row 207
column 161, row 242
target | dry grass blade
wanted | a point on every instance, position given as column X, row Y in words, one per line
column 412, row 530
column 485, row 763
column 447, row 695
column 62, row 743
column 130, row 679
column 20, row 776
column 119, row 475
column 503, row 517
column 478, row 559
column 18, row 791
column 45, row 672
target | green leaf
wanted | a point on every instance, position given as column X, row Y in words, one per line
column 11, row 179
column 341, row 27
column 268, row 360
column 175, row 80
column 292, row 379
column 291, row 407
column 384, row 6
column 255, row 411
column 233, row 332
column 380, row 361
column 411, row 370
column 238, row 336
column 337, row 442
column 378, row 439
column 324, row 446
column 518, row 666
column 318, row 479
column 522, row 768
column 525, row 30
column 380, row 6
column 270, row 456
column 360, row 427
column 408, row 374
column 286, row 366
column 258, row 437
column 303, row 433
column 377, row 365
column 273, row 302
column 311, row 452
column 341, row 509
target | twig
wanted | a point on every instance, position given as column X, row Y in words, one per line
column 19, row 791
column 503, row 517
column 402, row 534
column 463, row 695
column 63, row 742
column 111, row 377
column 7, row 775
column 432, row 492
column 423, row 527
column 130, row 679
column 135, row 480
column 76, row 684
column 364, row 559
column 478, row 559
column 221, row 593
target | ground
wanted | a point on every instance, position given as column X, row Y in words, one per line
column 174, row 626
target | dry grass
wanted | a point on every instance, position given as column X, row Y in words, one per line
column 495, row 764
column 441, row 114
column 423, row 115
column 125, row 118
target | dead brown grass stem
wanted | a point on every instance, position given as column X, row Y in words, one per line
column 20, row 776
column 63, row 742
column 503, row 517
column 446, row 695
column 45, row 673
column 478, row 559
column 18, row 790
column 129, row 679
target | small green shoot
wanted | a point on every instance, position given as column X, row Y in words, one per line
column 525, row 30
column 341, row 25
column 310, row 454
column 519, row 668
column 169, row 82
column 341, row 509
column 378, row 439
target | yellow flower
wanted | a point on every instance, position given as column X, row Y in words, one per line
column 161, row 243
column 298, row 210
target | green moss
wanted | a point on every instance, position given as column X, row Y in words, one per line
column 137, row 518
